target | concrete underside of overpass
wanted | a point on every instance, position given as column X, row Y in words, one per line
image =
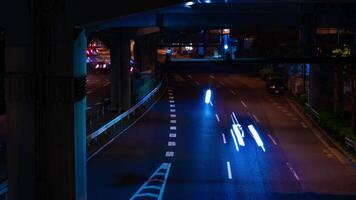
column 45, row 71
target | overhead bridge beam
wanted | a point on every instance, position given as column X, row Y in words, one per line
column 242, row 65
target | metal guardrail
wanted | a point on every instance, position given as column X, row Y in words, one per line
column 313, row 112
column 350, row 143
column 127, row 113
column 3, row 190
column 97, row 111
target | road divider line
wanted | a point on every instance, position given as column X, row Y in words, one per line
column 172, row 135
column 172, row 110
column 274, row 141
column 173, row 128
column 171, row 101
column 173, row 121
column 224, row 139
column 171, row 144
column 229, row 174
column 171, row 97
column 173, row 115
column 243, row 103
column 293, row 171
column 172, row 105
column 254, row 116
column 217, row 117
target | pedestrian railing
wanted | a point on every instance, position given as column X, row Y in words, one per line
column 105, row 133
column 97, row 111
column 3, row 190
column 313, row 113
column 350, row 143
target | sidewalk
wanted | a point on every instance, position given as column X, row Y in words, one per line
column 341, row 154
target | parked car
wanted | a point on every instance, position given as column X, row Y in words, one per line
column 275, row 85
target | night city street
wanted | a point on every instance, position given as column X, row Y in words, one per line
column 178, row 100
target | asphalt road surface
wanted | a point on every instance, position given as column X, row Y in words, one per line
column 98, row 88
column 184, row 149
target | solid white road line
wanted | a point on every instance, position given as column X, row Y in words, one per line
column 217, row 117
column 293, row 172
column 243, row 103
column 173, row 128
column 224, row 139
column 254, row 116
column 173, row 115
column 172, row 135
column 228, row 170
column 171, row 144
column 169, row 153
column 274, row 141
column 173, row 121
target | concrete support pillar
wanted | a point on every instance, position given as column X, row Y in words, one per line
column 307, row 43
column 118, row 42
column 125, row 71
column 45, row 100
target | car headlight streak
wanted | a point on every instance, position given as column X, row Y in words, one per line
column 208, row 96
column 256, row 136
column 238, row 135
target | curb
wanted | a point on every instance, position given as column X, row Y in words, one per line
column 325, row 135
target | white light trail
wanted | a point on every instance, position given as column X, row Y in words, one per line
column 207, row 96
column 256, row 136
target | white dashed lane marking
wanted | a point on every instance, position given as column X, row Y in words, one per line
column 173, row 115
column 293, row 171
column 171, row 144
column 270, row 137
column 169, row 154
column 243, row 103
column 173, row 128
column 254, row 116
column 217, row 117
column 173, row 121
column 229, row 174
column 172, row 110
column 224, row 139
column 172, row 135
